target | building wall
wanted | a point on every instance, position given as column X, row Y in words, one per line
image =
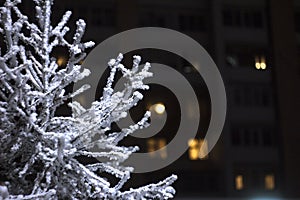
column 286, row 63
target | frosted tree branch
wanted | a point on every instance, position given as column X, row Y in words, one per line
column 38, row 150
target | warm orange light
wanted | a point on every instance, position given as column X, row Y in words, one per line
column 61, row 61
column 269, row 182
column 193, row 143
column 151, row 147
column 198, row 149
column 194, row 149
column 239, row 182
column 162, row 150
column 156, row 148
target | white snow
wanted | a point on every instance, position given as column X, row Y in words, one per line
column 36, row 143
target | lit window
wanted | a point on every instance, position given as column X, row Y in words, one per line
column 151, row 147
column 162, row 150
column 269, row 182
column 257, row 63
column 260, row 62
column 156, row 148
column 194, row 149
column 239, row 182
column 198, row 149
column 61, row 61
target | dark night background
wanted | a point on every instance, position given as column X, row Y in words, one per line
column 255, row 44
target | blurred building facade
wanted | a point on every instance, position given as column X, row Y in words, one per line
column 255, row 44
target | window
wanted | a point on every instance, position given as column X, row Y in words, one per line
column 245, row 56
column 297, row 21
column 248, row 21
column 255, row 135
column 198, row 149
column 255, row 177
column 235, row 137
column 156, row 148
column 269, row 182
column 267, row 138
column 227, row 18
column 252, row 95
column 82, row 10
column 210, row 181
column 260, row 62
column 152, row 19
column 193, row 150
column 251, row 177
column 243, row 18
column 192, row 22
column 232, row 18
column 248, row 135
column 239, row 182
column 257, row 19
column 103, row 17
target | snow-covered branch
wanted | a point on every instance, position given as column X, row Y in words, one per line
column 38, row 150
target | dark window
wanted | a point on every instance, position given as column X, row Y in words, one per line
column 248, row 95
column 202, row 182
column 237, row 18
column 258, row 94
column 109, row 17
column 297, row 22
column 97, row 21
column 151, row 18
column 242, row 18
column 251, row 135
column 103, row 17
column 237, row 96
column 235, row 137
column 248, row 19
column 255, row 135
column 161, row 21
column 83, row 11
column 256, row 179
column 267, row 138
column 247, row 137
column 227, row 18
column 192, row 23
column 266, row 97
column 182, row 24
column 257, row 19
column 252, row 95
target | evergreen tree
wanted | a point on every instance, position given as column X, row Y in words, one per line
column 38, row 149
